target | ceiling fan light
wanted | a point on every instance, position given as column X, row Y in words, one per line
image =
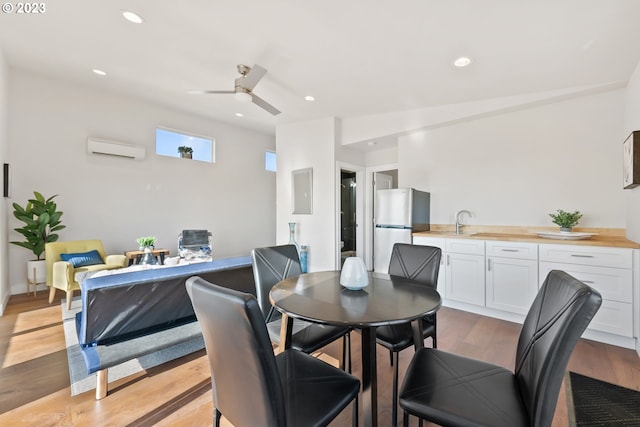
column 243, row 96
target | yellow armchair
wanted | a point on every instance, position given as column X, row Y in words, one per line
column 64, row 276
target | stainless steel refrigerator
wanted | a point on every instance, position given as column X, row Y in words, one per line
column 399, row 212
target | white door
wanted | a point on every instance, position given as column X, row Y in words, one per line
column 382, row 181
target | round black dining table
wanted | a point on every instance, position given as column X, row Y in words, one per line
column 319, row 297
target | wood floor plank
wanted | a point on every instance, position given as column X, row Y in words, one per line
column 34, row 377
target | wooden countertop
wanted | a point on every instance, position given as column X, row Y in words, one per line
column 610, row 237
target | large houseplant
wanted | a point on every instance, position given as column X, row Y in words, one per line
column 42, row 219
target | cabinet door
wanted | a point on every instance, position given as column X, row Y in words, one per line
column 438, row 243
column 512, row 284
column 465, row 278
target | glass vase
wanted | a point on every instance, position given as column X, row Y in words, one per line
column 292, row 236
column 304, row 258
column 148, row 258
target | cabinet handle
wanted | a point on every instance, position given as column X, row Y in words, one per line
column 448, row 260
column 509, row 250
column 582, row 256
column 488, row 264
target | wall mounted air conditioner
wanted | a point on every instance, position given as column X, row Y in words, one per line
column 113, row 148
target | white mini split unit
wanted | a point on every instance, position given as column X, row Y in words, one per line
column 117, row 149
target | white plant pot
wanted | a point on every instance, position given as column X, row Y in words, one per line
column 40, row 267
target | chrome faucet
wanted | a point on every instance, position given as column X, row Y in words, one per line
column 458, row 223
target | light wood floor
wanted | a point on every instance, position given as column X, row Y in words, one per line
column 34, row 379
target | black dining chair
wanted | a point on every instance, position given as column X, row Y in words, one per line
column 253, row 387
column 420, row 264
column 272, row 265
column 453, row 390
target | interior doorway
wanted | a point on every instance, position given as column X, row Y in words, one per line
column 349, row 199
column 348, row 210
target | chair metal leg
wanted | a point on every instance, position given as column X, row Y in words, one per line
column 354, row 420
column 349, row 351
column 405, row 419
column 394, row 403
column 218, row 415
column 391, row 357
column 435, row 332
column 346, row 353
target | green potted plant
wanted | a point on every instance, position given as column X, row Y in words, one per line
column 146, row 242
column 566, row 220
column 41, row 220
column 185, row 151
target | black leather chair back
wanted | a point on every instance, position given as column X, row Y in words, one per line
column 416, row 262
column 240, row 355
column 270, row 266
column 557, row 318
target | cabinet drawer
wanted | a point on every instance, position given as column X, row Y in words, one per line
column 587, row 255
column 465, row 246
column 612, row 283
column 517, row 250
column 430, row 241
column 615, row 318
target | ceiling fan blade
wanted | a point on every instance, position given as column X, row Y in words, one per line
column 253, row 77
column 201, row 92
column 264, row 104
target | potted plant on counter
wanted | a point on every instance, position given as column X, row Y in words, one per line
column 185, row 151
column 566, row 220
column 42, row 219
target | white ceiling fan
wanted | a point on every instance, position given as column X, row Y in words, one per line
column 243, row 91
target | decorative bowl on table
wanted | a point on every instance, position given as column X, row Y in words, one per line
column 354, row 274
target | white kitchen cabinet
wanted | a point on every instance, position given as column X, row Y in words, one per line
column 512, row 276
column 438, row 243
column 608, row 270
column 464, row 266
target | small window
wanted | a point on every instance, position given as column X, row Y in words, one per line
column 179, row 144
column 270, row 161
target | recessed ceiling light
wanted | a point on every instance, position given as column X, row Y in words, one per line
column 99, row 72
column 463, row 61
column 371, row 143
column 132, row 17
column 309, row 98
column 239, row 114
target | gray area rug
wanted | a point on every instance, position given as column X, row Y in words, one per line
column 595, row 403
column 81, row 382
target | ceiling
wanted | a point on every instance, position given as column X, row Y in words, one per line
column 356, row 57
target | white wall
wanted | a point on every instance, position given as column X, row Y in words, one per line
column 631, row 123
column 4, row 149
column 298, row 146
column 514, row 168
column 118, row 200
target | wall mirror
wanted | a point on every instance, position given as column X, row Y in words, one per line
column 302, row 194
